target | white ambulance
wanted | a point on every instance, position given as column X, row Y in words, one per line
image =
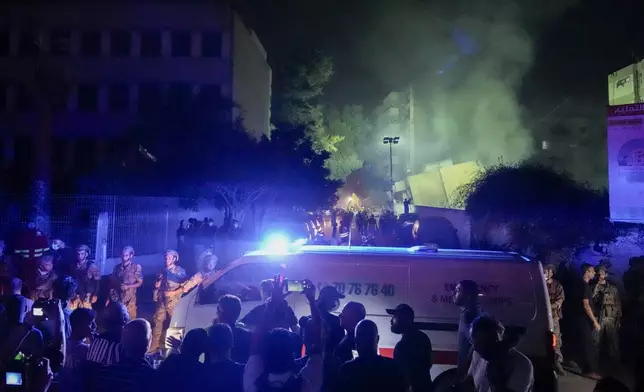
column 512, row 289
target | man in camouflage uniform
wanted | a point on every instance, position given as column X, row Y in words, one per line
column 42, row 283
column 167, row 292
column 207, row 273
column 87, row 278
column 126, row 278
column 556, row 294
column 609, row 311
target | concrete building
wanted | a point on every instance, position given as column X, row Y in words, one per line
column 626, row 86
column 118, row 61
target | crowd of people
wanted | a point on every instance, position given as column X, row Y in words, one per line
column 85, row 339
column 591, row 322
column 64, row 328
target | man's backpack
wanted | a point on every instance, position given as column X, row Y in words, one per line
column 293, row 384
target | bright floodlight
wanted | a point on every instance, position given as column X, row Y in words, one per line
column 276, row 243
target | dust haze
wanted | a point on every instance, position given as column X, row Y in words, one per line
column 467, row 61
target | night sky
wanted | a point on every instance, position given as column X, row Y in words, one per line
column 377, row 45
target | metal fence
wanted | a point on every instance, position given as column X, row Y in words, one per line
column 147, row 223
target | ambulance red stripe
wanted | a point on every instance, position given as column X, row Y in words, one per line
column 438, row 357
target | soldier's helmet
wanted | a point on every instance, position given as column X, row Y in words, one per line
column 128, row 249
column 83, row 248
column 173, row 253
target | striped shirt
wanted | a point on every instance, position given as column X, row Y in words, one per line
column 104, row 350
column 130, row 375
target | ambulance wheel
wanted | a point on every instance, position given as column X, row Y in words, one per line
column 445, row 381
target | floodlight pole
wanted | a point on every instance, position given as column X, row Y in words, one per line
column 391, row 140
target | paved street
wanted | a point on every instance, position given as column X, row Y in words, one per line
column 572, row 383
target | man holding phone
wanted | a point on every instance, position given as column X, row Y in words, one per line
column 286, row 319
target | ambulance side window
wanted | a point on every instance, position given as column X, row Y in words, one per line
column 243, row 282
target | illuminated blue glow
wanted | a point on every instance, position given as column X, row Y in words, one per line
column 276, row 244
column 422, row 252
column 299, row 242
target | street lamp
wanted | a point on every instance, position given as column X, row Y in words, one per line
column 391, row 141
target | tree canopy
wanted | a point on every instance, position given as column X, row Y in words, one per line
column 341, row 132
column 353, row 129
column 542, row 210
column 300, row 96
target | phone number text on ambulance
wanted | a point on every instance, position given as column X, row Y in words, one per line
column 353, row 288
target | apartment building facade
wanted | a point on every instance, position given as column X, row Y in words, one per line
column 119, row 61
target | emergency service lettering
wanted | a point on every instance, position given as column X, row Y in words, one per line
column 489, row 291
column 365, row 289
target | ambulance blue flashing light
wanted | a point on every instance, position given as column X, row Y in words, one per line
column 276, row 243
column 280, row 244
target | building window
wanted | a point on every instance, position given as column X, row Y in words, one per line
column 4, row 88
column 211, row 44
column 210, row 94
column 5, row 43
column 24, row 99
column 119, row 98
column 28, row 44
column 90, row 43
column 120, row 43
column 181, row 44
column 59, row 152
column 179, row 95
column 60, row 43
column 87, row 98
column 85, row 153
column 60, row 103
column 24, row 152
column 150, row 97
column 151, row 44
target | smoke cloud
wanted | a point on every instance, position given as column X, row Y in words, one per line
column 467, row 61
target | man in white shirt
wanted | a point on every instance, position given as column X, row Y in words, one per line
column 496, row 366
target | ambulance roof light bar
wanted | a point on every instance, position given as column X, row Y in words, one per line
column 424, row 248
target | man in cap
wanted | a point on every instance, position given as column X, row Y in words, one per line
column 609, row 314
column 126, row 278
column 414, row 350
column 329, row 301
column 87, row 278
column 167, row 292
column 556, row 294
